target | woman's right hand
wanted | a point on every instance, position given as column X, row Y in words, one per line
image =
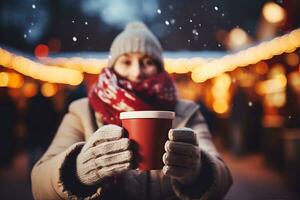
column 105, row 154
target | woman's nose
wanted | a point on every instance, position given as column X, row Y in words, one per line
column 137, row 73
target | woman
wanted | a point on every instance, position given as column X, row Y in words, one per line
column 90, row 158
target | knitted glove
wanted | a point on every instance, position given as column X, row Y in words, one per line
column 104, row 154
column 182, row 157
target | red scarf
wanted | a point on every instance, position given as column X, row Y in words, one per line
column 113, row 94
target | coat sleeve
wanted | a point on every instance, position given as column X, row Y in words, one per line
column 54, row 175
column 214, row 179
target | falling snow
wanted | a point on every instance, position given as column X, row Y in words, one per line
column 222, row 14
column 219, row 45
column 191, row 20
column 29, row 31
column 25, row 35
column 290, row 117
column 171, row 7
column 180, row 28
column 74, row 39
column 158, row 11
column 172, row 21
column 32, row 24
column 87, row 38
column 250, row 103
column 195, row 32
column 86, row 23
column 73, row 21
column 216, row 8
column 33, row 6
column 167, row 22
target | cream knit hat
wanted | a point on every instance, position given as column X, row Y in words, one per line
column 136, row 38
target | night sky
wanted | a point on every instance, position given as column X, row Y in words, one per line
column 91, row 25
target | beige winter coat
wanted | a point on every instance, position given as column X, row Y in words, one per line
column 54, row 175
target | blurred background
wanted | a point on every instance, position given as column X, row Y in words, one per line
column 239, row 60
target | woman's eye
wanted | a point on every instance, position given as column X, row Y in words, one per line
column 126, row 62
column 148, row 62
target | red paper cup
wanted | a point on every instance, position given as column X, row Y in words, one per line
column 149, row 132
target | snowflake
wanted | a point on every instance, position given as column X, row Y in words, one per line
column 216, row 8
column 33, row 6
column 167, row 22
column 250, row 104
column 74, row 39
column 172, row 21
column 195, row 32
column 191, row 20
column 87, row 38
column 25, row 35
column 86, row 23
column 219, row 45
column 179, row 27
column 73, row 21
column 158, row 11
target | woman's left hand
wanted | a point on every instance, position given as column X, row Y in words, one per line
column 182, row 158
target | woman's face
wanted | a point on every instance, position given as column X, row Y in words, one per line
column 136, row 66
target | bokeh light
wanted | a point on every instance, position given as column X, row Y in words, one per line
column 273, row 12
column 49, row 89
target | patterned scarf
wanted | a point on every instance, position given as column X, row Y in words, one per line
column 114, row 94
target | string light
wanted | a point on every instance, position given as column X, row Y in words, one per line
column 266, row 50
column 69, row 70
column 4, row 79
column 39, row 71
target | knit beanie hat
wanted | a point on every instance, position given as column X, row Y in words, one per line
column 136, row 38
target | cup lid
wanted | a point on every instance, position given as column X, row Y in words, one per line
column 147, row 114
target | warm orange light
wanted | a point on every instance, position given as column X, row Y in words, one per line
column 261, row 68
column 41, row 50
column 277, row 69
column 49, row 89
column 30, row 90
column 223, row 81
column 220, row 106
column 276, row 99
column 15, row 80
column 292, row 59
column 266, row 50
column 5, row 58
column 273, row 13
column 294, row 80
column 237, row 38
column 260, row 88
column 4, row 78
